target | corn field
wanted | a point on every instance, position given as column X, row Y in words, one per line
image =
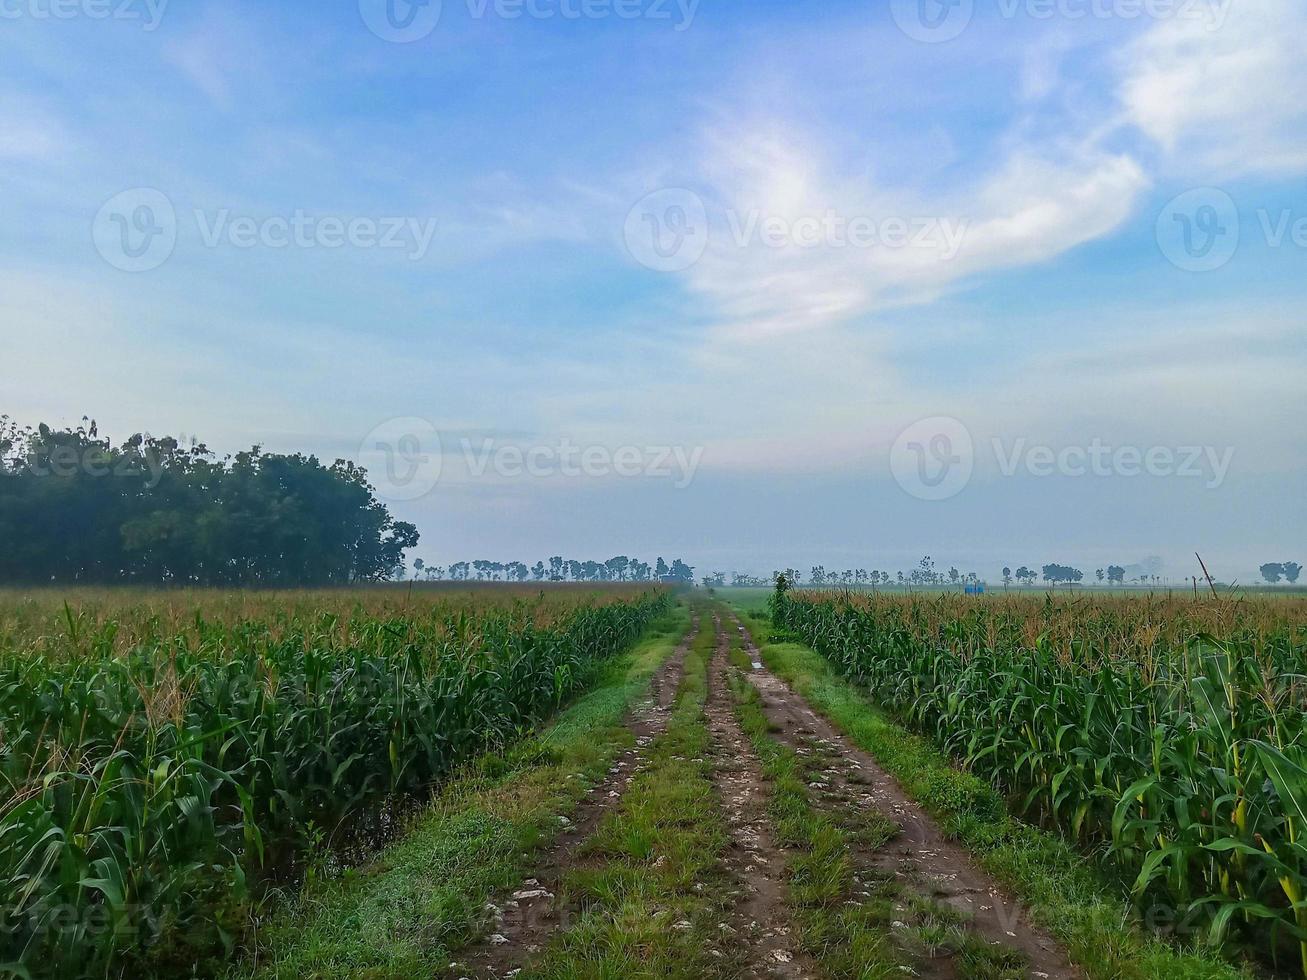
column 161, row 758
column 1166, row 735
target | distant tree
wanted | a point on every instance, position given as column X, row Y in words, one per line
column 77, row 508
column 661, row 571
column 1116, row 574
column 1272, row 571
column 1100, row 575
column 954, row 575
column 1007, row 576
column 1055, row 573
column 1025, row 576
column 538, row 571
column 681, row 572
column 926, row 571
column 1291, row 571
column 418, row 565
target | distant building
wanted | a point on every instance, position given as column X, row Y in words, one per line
column 977, row 589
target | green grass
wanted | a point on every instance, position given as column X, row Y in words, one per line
column 1066, row 893
column 404, row 914
column 650, row 883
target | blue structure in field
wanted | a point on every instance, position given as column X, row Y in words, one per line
column 977, row 589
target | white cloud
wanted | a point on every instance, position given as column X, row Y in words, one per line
column 1037, row 204
column 1225, row 100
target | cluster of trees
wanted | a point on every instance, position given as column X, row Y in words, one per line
column 717, row 580
column 1273, row 571
column 76, row 508
column 558, row 569
column 923, row 575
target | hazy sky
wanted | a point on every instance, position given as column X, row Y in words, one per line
column 1003, row 281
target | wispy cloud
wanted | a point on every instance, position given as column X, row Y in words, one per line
column 1223, row 101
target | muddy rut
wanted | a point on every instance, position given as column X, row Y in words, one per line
column 759, row 922
column 522, row 921
column 846, row 780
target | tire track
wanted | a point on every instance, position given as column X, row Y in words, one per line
column 846, row 779
column 520, row 922
column 760, row 922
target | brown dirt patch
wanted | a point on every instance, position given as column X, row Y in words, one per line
column 847, row 779
column 760, row 922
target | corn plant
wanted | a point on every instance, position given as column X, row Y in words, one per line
column 1170, row 738
column 154, row 767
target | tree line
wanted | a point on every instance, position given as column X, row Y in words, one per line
column 558, row 569
column 1273, row 571
column 77, row 508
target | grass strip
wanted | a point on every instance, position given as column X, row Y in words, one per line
column 1065, row 893
column 649, row 884
column 404, row 914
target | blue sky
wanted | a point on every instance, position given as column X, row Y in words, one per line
column 765, row 390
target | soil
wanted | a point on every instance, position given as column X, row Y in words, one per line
column 760, row 922
column 852, row 780
column 522, row 921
